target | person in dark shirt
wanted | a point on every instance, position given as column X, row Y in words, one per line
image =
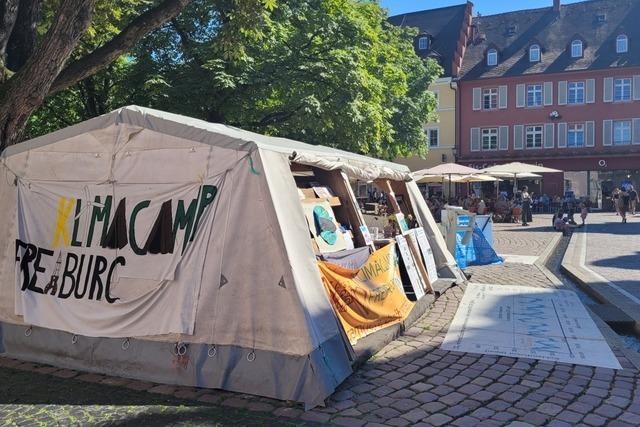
column 623, row 205
column 633, row 200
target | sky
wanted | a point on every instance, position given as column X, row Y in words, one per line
column 485, row 7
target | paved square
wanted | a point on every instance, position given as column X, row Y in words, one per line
column 518, row 321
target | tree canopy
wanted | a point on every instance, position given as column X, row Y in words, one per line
column 331, row 72
column 48, row 46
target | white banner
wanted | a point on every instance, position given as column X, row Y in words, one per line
column 112, row 260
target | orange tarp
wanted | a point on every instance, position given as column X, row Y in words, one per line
column 368, row 299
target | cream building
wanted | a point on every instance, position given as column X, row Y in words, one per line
column 441, row 135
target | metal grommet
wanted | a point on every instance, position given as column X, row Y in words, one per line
column 126, row 343
column 28, row 331
column 251, row 356
column 212, row 351
column 74, row 339
column 180, row 349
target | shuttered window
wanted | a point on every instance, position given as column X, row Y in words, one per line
column 622, row 132
column 575, row 135
column 534, row 136
column 622, row 90
column 576, row 93
column 534, row 95
column 490, row 139
column 490, row 99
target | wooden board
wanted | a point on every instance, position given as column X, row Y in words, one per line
column 333, row 201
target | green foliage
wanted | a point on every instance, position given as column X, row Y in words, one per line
column 330, row 72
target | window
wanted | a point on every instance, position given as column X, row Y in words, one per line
column 432, row 137
column 490, row 139
column 575, row 135
column 622, row 132
column 575, row 93
column 576, row 49
column 492, row 57
column 534, row 53
column 534, row 95
column 534, row 136
column 622, row 44
column 622, row 90
column 423, row 43
column 490, row 99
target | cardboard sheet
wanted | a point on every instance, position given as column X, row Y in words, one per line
column 324, row 246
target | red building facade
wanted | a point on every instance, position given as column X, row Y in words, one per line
column 559, row 87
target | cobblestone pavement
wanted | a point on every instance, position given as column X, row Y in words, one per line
column 613, row 249
column 411, row 381
column 514, row 239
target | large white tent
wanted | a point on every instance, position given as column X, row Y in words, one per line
column 241, row 307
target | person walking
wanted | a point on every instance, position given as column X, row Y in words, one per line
column 623, row 205
column 633, row 200
column 527, row 217
column 615, row 198
column 584, row 211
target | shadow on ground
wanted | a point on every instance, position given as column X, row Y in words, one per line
column 27, row 398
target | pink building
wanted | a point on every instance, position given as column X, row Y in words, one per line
column 558, row 86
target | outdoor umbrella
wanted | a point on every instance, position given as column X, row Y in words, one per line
column 517, row 168
column 446, row 169
column 478, row 178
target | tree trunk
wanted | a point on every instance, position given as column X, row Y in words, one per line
column 25, row 91
column 23, row 39
column 43, row 73
column 8, row 14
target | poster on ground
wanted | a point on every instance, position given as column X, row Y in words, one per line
column 368, row 299
column 534, row 323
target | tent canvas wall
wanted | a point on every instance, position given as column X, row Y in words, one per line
column 215, row 286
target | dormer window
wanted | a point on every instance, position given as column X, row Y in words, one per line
column 622, row 44
column 601, row 17
column 534, row 53
column 423, row 43
column 492, row 57
column 576, row 49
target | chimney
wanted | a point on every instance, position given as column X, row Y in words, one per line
column 556, row 5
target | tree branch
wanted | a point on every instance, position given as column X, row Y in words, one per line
column 125, row 40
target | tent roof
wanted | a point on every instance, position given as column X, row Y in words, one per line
column 199, row 131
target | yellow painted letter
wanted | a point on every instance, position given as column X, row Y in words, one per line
column 64, row 212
